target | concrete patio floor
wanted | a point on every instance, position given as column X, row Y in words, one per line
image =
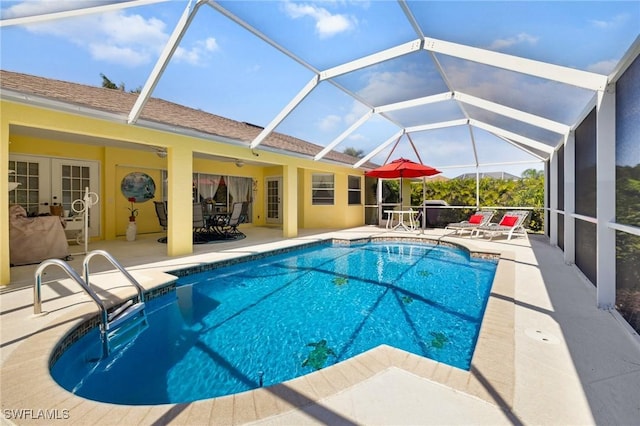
column 546, row 354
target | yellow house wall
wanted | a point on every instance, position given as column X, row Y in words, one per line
column 338, row 215
column 116, row 162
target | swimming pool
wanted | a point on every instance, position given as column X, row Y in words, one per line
column 266, row 321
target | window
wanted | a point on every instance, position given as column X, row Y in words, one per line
column 322, row 189
column 355, row 193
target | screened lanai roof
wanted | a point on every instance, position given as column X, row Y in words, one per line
column 487, row 85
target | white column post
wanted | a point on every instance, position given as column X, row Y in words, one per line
column 552, row 198
column 290, row 201
column 606, row 197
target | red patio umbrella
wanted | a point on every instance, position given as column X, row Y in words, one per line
column 402, row 168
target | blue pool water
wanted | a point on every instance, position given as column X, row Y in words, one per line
column 283, row 316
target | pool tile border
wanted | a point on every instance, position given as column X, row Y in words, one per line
column 204, row 267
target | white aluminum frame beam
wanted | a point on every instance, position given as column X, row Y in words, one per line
column 34, row 19
column 162, row 62
column 522, row 148
column 261, row 36
column 510, row 135
column 344, row 135
column 516, row 114
column 441, row 125
column 441, row 97
column 470, row 166
column 412, row 20
column 379, row 148
column 286, row 111
column 473, row 145
column 570, row 76
column 366, row 61
column 376, row 58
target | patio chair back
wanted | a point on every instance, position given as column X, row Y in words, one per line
column 244, row 214
column 520, row 215
column 236, row 215
column 487, row 215
column 161, row 212
column 199, row 222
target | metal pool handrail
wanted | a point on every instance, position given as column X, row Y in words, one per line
column 114, row 262
column 37, row 293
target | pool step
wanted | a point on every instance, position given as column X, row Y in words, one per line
column 125, row 324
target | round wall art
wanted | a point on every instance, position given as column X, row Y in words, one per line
column 138, row 185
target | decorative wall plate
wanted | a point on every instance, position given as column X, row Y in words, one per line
column 138, row 185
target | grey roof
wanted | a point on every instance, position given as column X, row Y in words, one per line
column 119, row 102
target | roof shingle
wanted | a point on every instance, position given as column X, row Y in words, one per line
column 119, row 102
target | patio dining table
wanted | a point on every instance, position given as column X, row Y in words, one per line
column 401, row 221
column 216, row 221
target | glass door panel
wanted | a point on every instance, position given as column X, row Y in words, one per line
column 274, row 204
column 34, row 191
column 69, row 180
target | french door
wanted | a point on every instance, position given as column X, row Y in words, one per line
column 274, row 200
column 47, row 181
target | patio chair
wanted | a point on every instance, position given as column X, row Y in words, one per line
column 200, row 226
column 479, row 218
column 230, row 227
column 244, row 214
column 161, row 212
column 512, row 223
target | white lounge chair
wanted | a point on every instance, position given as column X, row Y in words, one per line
column 512, row 223
column 479, row 218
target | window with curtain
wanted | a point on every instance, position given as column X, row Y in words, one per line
column 354, row 190
column 322, row 189
column 239, row 189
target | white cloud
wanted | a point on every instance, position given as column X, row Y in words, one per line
column 614, row 22
column 115, row 54
column 254, row 69
column 504, row 43
column 330, row 122
column 115, row 37
column 357, row 137
column 197, row 53
column 603, row 67
column 41, row 7
column 326, row 24
column 385, row 85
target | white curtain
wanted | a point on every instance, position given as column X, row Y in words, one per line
column 239, row 188
column 215, row 183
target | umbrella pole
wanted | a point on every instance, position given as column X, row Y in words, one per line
column 423, row 207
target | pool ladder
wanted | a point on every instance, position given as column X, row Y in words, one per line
column 123, row 323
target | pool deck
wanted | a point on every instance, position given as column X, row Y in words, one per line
column 545, row 355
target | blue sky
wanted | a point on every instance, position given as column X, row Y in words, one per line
column 221, row 68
